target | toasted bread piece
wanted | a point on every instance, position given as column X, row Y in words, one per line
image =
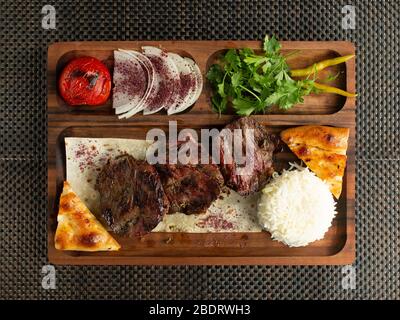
column 78, row 229
column 326, row 138
column 328, row 166
column 323, row 150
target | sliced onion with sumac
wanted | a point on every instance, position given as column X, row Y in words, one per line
column 153, row 81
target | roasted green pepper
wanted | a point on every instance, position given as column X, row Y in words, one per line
column 329, row 89
column 319, row 66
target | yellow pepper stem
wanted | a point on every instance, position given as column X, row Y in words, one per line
column 330, row 89
column 319, row 66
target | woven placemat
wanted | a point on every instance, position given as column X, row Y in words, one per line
column 23, row 145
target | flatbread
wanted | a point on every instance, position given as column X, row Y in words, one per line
column 86, row 156
column 326, row 138
column 78, row 229
column 323, row 150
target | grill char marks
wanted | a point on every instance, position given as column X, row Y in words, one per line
column 190, row 188
column 259, row 173
column 134, row 195
column 132, row 199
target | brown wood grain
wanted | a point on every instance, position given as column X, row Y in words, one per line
column 338, row 245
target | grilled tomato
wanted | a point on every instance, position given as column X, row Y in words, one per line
column 85, row 81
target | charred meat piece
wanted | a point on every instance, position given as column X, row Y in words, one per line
column 132, row 198
column 190, row 188
column 251, row 174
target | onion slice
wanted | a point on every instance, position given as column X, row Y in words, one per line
column 154, row 80
column 151, row 87
column 199, row 79
column 131, row 82
column 196, row 88
column 167, row 76
column 187, row 87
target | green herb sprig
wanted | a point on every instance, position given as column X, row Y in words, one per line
column 253, row 83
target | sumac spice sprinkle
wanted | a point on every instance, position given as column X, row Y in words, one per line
column 85, row 156
column 133, row 81
column 166, row 83
column 187, row 82
column 216, row 222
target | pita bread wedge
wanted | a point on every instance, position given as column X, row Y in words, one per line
column 323, row 150
column 326, row 138
column 78, row 229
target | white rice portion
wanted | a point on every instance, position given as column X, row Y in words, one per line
column 296, row 207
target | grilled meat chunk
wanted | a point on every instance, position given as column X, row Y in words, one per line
column 132, row 198
column 190, row 188
column 252, row 174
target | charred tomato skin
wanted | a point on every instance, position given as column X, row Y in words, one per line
column 85, row 81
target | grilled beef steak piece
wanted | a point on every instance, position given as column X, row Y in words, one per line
column 132, row 198
column 248, row 179
column 190, row 188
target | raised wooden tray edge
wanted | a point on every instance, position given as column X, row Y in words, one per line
column 341, row 48
column 344, row 117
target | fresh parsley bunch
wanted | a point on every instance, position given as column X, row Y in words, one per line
column 252, row 83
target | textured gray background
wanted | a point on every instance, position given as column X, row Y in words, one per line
column 23, row 144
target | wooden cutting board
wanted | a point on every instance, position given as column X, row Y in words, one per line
column 338, row 245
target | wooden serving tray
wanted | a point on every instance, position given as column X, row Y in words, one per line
column 338, row 245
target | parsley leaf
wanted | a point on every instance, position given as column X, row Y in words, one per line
column 253, row 83
column 243, row 107
column 219, row 104
column 236, row 79
column 271, row 46
column 215, row 74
